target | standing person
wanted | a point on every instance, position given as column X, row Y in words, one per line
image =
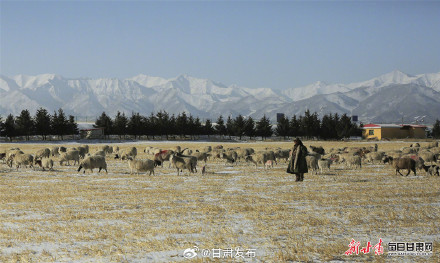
column 297, row 160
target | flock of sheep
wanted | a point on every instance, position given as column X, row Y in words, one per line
column 410, row 158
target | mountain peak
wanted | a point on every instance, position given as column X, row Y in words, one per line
column 395, row 76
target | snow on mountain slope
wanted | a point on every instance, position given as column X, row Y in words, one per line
column 374, row 99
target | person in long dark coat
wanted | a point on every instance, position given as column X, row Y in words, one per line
column 297, row 160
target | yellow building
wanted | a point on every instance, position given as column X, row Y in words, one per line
column 393, row 131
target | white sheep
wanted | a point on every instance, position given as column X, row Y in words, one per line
column 229, row 156
column 427, row 156
column 72, row 155
column 85, row 146
column 93, row 162
column 55, row 151
column 13, row 151
column 140, row 165
column 21, row 159
column 354, row 162
column 106, row 149
column 261, row 157
column 312, row 163
column 45, row 163
column 201, row 156
column 42, row 153
column 130, row 152
column 181, row 163
column 82, row 151
column 324, row 164
column 373, row 157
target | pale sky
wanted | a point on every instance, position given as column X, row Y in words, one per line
column 279, row 45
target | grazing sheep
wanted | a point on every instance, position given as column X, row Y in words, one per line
column 130, row 152
column 419, row 161
column 312, row 164
column 319, row 149
column 403, row 163
column 373, row 157
column 261, row 157
column 45, row 163
column 354, row 162
column 201, row 156
column 55, row 151
column 141, row 165
column 191, row 159
column 3, row 156
column 324, row 164
column 181, row 163
column 415, row 145
column 269, row 163
column 282, row 154
column 82, row 151
column 107, row 149
column 427, row 156
column 13, row 151
column 21, row 159
column 162, row 156
column 230, row 156
column 72, row 155
column 85, row 146
column 207, row 149
column 92, row 162
column 42, row 153
column 242, row 153
column 216, row 153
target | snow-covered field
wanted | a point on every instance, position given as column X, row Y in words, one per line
column 66, row 216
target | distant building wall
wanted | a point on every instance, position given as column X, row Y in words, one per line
column 393, row 131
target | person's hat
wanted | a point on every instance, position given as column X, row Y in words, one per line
column 297, row 140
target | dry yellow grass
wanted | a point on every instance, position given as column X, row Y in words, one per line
column 65, row 216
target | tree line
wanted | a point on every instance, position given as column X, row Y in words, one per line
column 331, row 126
column 164, row 124
column 309, row 125
column 42, row 124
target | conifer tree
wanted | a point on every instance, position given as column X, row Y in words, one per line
column 249, row 127
column 120, row 125
column 208, row 129
column 9, row 127
column 135, row 125
column 238, row 126
column 282, row 128
column 42, row 123
column 263, row 128
column 104, row 121
column 436, row 130
column 220, row 128
column 25, row 124
column 229, row 127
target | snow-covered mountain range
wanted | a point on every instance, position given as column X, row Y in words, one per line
column 387, row 98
